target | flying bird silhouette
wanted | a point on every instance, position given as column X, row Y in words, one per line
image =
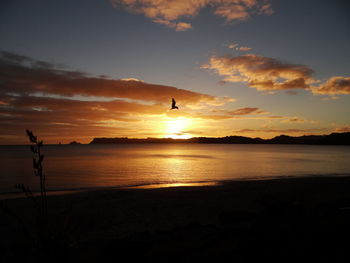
column 173, row 105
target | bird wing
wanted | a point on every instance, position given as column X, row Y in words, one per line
column 173, row 103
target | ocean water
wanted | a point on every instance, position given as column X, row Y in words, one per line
column 69, row 167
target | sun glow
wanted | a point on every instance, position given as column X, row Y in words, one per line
column 176, row 128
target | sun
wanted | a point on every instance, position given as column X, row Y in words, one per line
column 176, row 128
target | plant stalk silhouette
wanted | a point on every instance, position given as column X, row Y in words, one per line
column 38, row 171
column 42, row 226
column 46, row 239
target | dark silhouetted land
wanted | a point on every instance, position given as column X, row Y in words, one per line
column 281, row 220
column 331, row 139
column 74, row 143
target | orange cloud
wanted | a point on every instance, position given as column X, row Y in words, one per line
column 334, row 86
column 170, row 13
column 343, row 129
column 129, row 79
column 63, row 105
column 280, row 131
column 260, row 72
column 293, row 120
column 62, row 119
column 232, row 12
column 178, row 26
column 220, row 114
column 241, row 111
column 269, row 74
column 245, row 48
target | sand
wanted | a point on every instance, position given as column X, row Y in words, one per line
column 281, row 220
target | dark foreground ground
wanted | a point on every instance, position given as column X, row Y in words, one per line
column 282, row 220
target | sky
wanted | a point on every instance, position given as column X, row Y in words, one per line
column 79, row 69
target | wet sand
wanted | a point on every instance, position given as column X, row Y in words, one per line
column 281, row 220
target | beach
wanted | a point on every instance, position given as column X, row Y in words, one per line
column 282, row 220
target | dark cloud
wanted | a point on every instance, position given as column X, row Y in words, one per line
column 19, row 78
column 13, row 58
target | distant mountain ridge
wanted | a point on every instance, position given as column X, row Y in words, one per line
column 330, row 139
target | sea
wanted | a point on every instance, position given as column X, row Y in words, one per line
column 81, row 167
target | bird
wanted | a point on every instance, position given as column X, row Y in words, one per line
column 173, row 105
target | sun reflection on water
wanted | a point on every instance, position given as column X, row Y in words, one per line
column 152, row 186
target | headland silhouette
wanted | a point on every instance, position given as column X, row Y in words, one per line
column 330, row 139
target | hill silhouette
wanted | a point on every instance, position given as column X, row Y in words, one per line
column 330, row 139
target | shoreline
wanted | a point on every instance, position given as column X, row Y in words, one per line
column 19, row 195
column 280, row 218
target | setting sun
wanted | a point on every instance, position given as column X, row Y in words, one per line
column 176, row 128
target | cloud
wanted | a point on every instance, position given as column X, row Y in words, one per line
column 293, row 120
column 233, row 46
column 280, row 131
column 261, row 73
column 128, row 79
column 269, row 74
column 334, row 86
column 64, row 105
column 221, row 114
column 182, row 26
column 241, row 111
column 276, row 117
column 343, row 129
column 28, row 103
column 178, row 26
column 61, row 119
column 244, row 48
column 291, row 92
column 232, row 12
column 246, row 113
column 171, row 13
column 14, row 58
column 23, row 79
column 239, row 48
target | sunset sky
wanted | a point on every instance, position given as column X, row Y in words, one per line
column 79, row 69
